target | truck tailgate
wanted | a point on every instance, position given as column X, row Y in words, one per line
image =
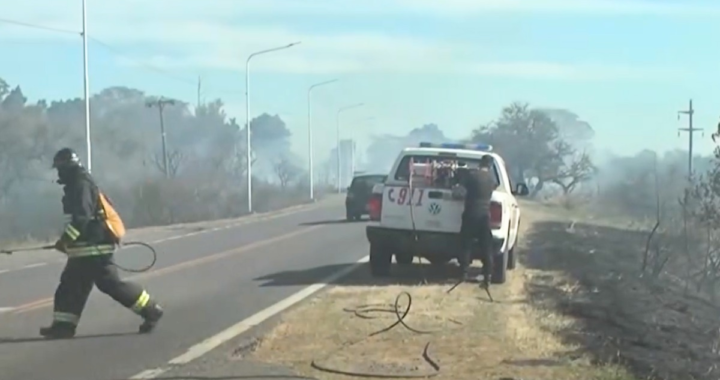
column 431, row 209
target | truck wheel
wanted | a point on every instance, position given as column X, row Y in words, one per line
column 512, row 259
column 380, row 261
column 499, row 272
column 404, row 258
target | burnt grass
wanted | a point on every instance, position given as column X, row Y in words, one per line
column 648, row 325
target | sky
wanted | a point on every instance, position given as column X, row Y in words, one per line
column 624, row 66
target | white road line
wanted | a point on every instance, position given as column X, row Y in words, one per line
column 6, row 309
column 233, row 331
column 33, row 266
column 150, row 374
column 29, row 266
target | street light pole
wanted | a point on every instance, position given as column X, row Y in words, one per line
column 337, row 148
column 352, row 151
column 248, row 146
column 86, row 87
column 311, row 171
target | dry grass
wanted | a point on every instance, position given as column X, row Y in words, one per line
column 590, row 274
column 472, row 338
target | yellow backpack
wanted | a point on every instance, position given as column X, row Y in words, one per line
column 111, row 218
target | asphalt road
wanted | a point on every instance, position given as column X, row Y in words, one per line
column 206, row 282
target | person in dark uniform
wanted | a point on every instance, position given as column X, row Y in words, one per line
column 475, row 230
column 89, row 246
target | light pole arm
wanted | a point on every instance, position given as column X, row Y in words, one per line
column 270, row 51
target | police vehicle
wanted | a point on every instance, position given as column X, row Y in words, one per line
column 417, row 213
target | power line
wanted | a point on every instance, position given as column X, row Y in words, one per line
column 142, row 64
column 40, row 27
column 115, row 51
column 99, row 42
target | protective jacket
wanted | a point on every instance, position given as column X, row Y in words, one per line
column 85, row 234
column 480, row 185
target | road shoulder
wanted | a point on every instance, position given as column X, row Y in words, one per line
column 466, row 336
column 577, row 307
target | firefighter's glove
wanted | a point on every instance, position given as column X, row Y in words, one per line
column 61, row 246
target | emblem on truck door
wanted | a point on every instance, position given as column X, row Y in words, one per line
column 434, row 208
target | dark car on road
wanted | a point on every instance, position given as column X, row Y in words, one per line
column 359, row 193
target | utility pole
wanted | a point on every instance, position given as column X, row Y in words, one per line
column 160, row 103
column 691, row 131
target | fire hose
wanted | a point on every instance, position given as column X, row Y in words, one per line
column 400, row 314
column 121, row 246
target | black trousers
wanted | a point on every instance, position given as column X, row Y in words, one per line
column 477, row 236
column 79, row 277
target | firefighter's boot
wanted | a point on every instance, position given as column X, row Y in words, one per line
column 487, row 273
column 58, row 330
column 151, row 315
column 465, row 261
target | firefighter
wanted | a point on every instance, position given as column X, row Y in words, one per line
column 89, row 245
column 475, row 230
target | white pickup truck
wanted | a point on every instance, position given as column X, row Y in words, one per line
column 416, row 213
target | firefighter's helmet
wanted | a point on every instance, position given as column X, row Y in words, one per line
column 64, row 158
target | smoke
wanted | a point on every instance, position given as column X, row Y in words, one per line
column 384, row 149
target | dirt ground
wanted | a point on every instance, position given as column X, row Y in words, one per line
column 573, row 309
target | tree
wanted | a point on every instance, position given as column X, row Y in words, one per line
column 286, row 172
column 569, row 125
column 175, row 160
column 270, row 140
column 206, row 158
column 579, row 169
column 533, row 148
column 383, row 149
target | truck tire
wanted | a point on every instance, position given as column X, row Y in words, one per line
column 499, row 272
column 380, row 261
column 512, row 259
column 404, row 258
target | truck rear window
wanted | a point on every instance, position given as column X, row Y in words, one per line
column 403, row 171
column 367, row 181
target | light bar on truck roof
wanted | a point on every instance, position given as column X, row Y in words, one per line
column 479, row 146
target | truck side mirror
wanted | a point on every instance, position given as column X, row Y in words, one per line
column 521, row 189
